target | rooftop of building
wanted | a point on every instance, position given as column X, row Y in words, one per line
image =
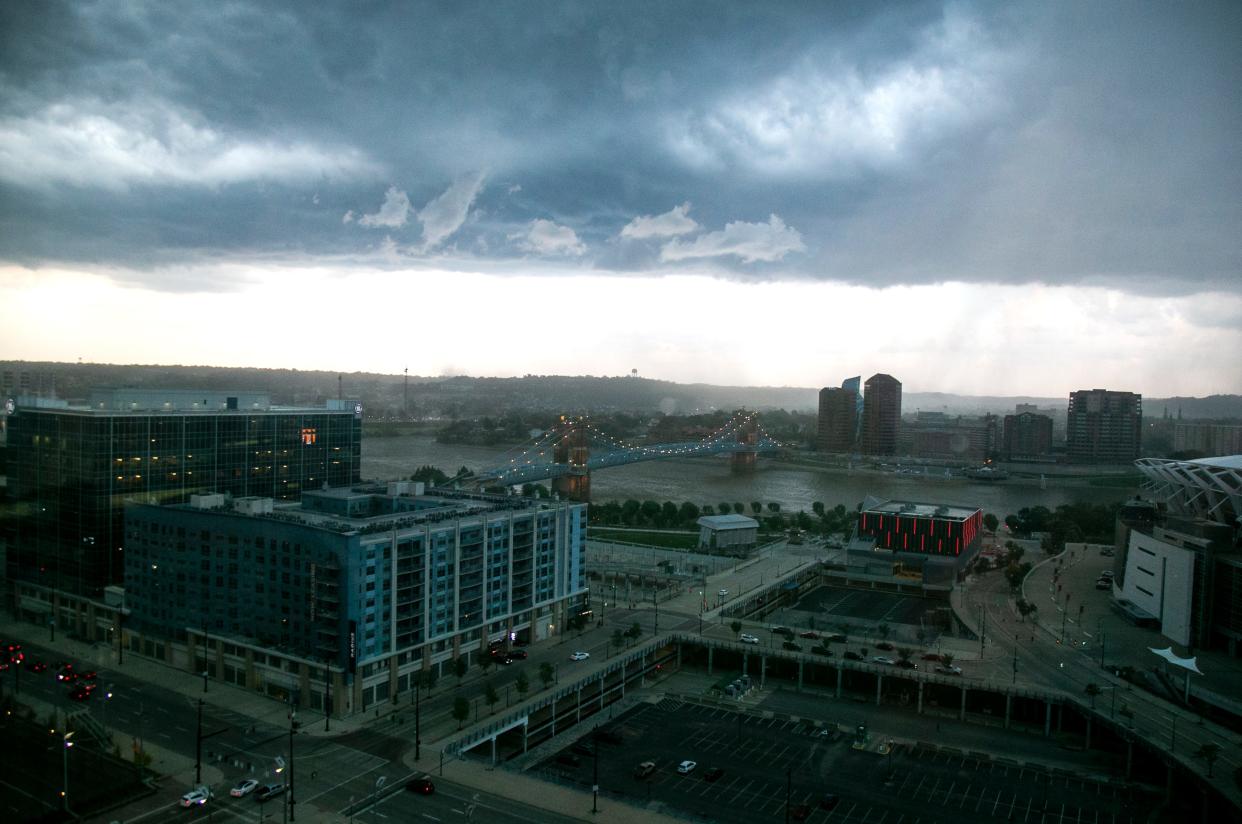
column 919, row 510
column 728, row 522
column 370, row 508
column 123, row 400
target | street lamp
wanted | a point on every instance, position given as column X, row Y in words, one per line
column 64, row 792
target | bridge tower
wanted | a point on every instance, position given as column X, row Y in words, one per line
column 743, row 460
column 573, row 451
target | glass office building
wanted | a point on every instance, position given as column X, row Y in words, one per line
column 72, row 468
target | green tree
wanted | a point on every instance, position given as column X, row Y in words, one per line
column 884, row 630
column 725, row 508
column 428, row 680
column 708, row 509
column 490, row 696
column 547, row 674
column 774, row 507
column 739, row 507
column 635, row 631
column 756, row 507
column 947, row 659
column 818, row 508
column 990, row 523
column 736, row 626
column 904, row 654
column 461, row 710
column 1092, row 690
column 1209, row 752
column 1013, row 522
column 430, row 475
column 485, row 663
column 689, row 513
column 630, row 510
column 522, row 683
column 618, row 639
column 669, row 514
column 459, row 668
column 650, row 511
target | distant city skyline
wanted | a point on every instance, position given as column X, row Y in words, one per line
column 978, row 199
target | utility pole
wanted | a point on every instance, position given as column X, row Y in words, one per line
column 293, row 727
column 983, row 630
column 1015, row 661
column 64, row 792
column 406, row 407
column 418, row 715
column 327, row 697
column 198, row 747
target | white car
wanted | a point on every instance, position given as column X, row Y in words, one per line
column 580, row 656
column 687, row 767
column 244, row 788
column 950, row 670
column 197, row 797
column 723, row 593
column 747, row 638
column 884, row 659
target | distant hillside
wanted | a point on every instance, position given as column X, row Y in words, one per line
column 431, row 397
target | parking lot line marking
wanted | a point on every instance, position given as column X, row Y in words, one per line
column 922, row 779
column 1027, row 817
column 996, row 803
column 949, row 792
column 741, row 791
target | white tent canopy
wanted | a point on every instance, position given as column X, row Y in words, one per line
column 1173, row 658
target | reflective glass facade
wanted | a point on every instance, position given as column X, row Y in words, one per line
column 72, row 470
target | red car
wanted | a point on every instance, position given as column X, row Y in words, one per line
column 809, row 634
column 89, row 675
column 931, row 656
column 67, row 676
column 80, row 694
column 36, row 666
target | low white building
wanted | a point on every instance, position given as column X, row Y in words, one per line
column 728, row 533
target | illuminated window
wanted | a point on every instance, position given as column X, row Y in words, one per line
column 308, row 436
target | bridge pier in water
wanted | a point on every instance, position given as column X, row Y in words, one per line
column 573, row 452
column 744, row 460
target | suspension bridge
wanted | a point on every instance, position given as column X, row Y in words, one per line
column 567, row 453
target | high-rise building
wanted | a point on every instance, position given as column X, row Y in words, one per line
column 1104, row 427
column 836, row 424
column 1028, row 437
column 72, row 468
column 881, row 415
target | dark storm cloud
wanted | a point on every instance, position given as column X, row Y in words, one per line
column 902, row 143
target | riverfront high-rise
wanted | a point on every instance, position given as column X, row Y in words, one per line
column 1104, row 427
column 881, row 414
column 836, row 423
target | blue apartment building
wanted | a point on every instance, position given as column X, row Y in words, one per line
column 349, row 592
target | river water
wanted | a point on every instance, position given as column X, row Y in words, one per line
column 708, row 480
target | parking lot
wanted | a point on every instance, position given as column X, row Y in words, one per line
column 838, row 604
column 759, row 755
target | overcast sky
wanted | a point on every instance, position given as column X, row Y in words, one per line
column 976, row 198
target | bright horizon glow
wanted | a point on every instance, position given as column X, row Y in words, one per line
column 961, row 338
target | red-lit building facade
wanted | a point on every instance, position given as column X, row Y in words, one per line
column 938, row 539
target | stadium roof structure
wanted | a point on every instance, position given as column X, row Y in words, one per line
column 1209, row 488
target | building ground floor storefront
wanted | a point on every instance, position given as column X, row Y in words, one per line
column 277, row 673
